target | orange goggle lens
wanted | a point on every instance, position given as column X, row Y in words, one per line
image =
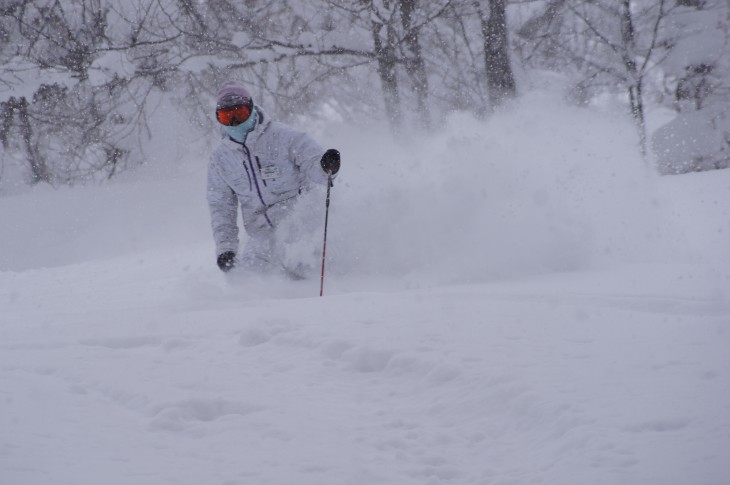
column 233, row 116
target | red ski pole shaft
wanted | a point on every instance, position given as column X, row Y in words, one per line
column 324, row 245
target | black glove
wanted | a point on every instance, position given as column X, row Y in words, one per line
column 227, row 261
column 330, row 161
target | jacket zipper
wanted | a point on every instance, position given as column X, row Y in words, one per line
column 248, row 174
column 255, row 181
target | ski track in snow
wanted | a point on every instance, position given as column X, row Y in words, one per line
column 360, row 387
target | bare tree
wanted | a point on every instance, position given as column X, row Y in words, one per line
column 415, row 64
column 500, row 79
column 470, row 56
column 55, row 37
column 14, row 113
column 101, row 61
column 605, row 44
column 385, row 42
column 387, row 36
column 697, row 82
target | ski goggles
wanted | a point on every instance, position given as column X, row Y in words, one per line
column 234, row 115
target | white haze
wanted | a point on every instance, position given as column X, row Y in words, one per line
column 542, row 188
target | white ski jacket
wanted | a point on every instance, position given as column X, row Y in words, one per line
column 265, row 175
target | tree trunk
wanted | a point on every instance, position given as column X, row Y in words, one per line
column 636, row 100
column 414, row 63
column 386, row 57
column 38, row 167
column 628, row 55
column 500, row 79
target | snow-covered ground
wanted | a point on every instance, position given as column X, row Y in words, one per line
column 509, row 301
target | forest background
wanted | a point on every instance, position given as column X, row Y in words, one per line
column 79, row 79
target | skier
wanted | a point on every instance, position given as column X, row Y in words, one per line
column 265, row 166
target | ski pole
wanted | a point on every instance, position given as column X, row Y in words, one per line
column 324, row 245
